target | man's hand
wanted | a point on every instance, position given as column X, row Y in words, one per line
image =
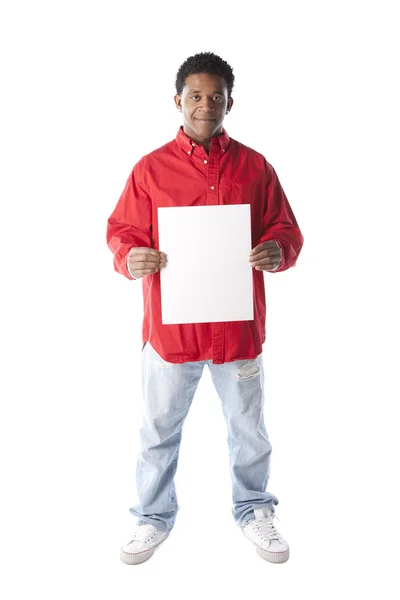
column 266, row 256
column 144, row 261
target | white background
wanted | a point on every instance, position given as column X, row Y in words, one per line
column 87, row 89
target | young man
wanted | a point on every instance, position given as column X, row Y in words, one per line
column 202, row 166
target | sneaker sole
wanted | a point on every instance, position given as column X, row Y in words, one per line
column 274, row 557
column 139, row 557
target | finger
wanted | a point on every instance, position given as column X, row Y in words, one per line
column 265, row 267
column 144, row 257
column 267, row 252
column 262, row 264
column 151, row 253
column 256, row 250
column 265, row 245
column 137, row 266
column 263, row 256
column 268, row 263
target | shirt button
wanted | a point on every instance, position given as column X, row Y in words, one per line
column 189, row 151
column 193, row 145
column 212, row 187
column 205, row 162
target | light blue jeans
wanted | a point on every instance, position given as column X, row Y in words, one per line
column 168, row 391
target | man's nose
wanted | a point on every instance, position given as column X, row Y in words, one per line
column 207, row 104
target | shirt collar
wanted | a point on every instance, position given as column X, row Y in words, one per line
column 187, row 144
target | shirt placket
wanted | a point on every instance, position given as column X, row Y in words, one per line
column 213, row 175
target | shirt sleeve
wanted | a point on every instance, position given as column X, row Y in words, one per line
column 130, row 223
column 279, row 222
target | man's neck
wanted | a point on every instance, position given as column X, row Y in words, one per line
column 205, row 143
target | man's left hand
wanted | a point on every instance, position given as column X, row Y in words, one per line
column 266, row 256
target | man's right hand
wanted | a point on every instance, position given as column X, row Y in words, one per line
column 144, row 261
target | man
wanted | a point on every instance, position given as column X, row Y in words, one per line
column 202, row 166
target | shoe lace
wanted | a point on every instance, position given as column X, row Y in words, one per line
column 143, row 532
column 265, row 527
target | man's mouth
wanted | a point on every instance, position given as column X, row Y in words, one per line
column 205, row 120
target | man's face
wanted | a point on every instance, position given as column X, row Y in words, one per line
column 204, row 102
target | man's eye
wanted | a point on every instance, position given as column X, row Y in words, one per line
column 218, row 98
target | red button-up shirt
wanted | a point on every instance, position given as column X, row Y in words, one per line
column 180, row 173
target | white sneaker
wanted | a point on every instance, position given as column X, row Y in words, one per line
column 262, row 532
column 145, row 540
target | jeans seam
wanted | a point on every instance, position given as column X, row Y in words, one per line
column 174, row 468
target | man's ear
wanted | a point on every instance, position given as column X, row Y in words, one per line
column 178, row 102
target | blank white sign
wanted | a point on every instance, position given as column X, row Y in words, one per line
column 208, row 277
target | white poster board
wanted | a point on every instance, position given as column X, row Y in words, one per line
column 208, row 277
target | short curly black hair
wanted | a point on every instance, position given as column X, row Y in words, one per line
column 204, row 62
